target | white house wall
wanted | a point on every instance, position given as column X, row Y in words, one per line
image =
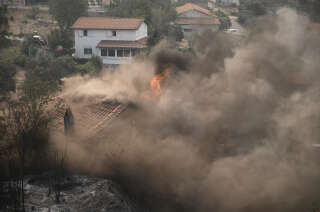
column 95, row 36
column 197, row 29
column 193, row 14
column 142, row 31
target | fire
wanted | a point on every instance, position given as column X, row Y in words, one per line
column 157, row 81
column 155, row 91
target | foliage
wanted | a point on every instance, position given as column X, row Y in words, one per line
column 96, row 62
column 224, row 20
column 66, row 12
column 312, row 7
column 28, row 47
column 249, row 10
column 175, row 33
column 13, row 55
column 24, row 143
column 93, row 66
column 58, row 37
column 53, row 69
column 158, row 14
column 182, row 2
column 7, row 82
column 33, row 13
column 4, row 24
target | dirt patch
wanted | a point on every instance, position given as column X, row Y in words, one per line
column 20, row 23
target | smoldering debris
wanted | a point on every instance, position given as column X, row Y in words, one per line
column 239, row 139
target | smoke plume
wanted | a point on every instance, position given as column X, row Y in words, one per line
column 232, row 131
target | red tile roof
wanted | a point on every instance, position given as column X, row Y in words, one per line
column 189, row 6
column 139, row 44
column 198, row 21
column 107, row 23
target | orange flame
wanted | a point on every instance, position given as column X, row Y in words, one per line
column 155, row 91
column 157, row 81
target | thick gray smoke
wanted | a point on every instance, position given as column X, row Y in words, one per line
column 224, row 136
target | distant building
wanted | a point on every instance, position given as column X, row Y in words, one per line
column 228, row 2
column 98, row 3
column 194, row 19
column 13, row 2
column 115, row 40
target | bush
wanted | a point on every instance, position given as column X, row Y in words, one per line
column 7, row 82
column 13, row 55
column 97, row 62
column 224, row 20
column 33, row 13
column 60, row 38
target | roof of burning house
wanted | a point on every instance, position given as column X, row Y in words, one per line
column 198, row 21
column 101, row 23
column 92, row 118
column 189, row 6
column 139, row 44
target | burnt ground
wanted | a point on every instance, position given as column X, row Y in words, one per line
column 77, row 194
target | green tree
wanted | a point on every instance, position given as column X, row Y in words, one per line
column 158, row 14
column 7, row 82
column 66, row 12
column 224, row 20
column 59, row 38
column 4, row 25
column 249, row 10
column 312, row 7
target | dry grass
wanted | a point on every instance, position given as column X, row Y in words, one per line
column 21, row 24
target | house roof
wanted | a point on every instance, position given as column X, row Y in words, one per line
column 139, row 44
column 189, row 6
column 198, row 21
column 89, row 118
column 107, row 23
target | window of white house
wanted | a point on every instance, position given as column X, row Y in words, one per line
column 111, row 52
column 187, row 30
column 104, row 52
column 85, row 32
column 120, row 52
column 114, row 33
column 133, row 52
column 126, row 52
column 87, row 50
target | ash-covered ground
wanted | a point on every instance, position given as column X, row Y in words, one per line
column 78, row 193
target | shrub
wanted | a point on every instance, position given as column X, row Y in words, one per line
column 7, row 82
column 13, row 55
column 60, row 38
column 33, row 13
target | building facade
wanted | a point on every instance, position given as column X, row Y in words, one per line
column 115, row 40
column 229, row 2
column 194, row 19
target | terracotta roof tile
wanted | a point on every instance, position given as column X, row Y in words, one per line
column 139, row 44
column 198, row 21
column 107, row 23
column 189, row 6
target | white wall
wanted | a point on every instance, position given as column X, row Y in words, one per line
column 116, row 60
column 193, row 14
column 95, row 36
column 197, row 29
column 142, row 31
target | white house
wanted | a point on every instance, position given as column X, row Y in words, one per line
column 115, row 40
column 229, row 2
column 195, row 19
